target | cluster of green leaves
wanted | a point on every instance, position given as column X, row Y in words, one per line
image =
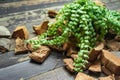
column 84, row 20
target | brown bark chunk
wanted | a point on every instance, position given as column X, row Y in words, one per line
column 52, row 13
column 98, row 2
column 82, row 76
column 113, row 45
column 40, row 54
column 106, row 71
column 117, row 38
column 95, row 67
column 69, row 64
column 74, row 56
column 57, row 48
column 29, row 45
column 21, row 32
column 71, row 51
column 3, row 49
column 117, row 77
column 39, row 29
column 110, row 77
column 95, row 52
column 20, row 46
column 67, row 45
column 110, row 61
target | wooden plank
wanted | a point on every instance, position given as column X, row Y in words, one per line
column 27, row 69
column 8, row 59
column 57, row 74
column 5, row 11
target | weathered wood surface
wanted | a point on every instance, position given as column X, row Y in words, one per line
column 57, row 74
column 27, row 69
column 29, row 16
column 8, row 59
column 29, row 5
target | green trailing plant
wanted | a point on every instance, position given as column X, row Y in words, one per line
column 84, row 20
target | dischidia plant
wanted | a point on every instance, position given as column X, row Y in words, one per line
column 84, row 20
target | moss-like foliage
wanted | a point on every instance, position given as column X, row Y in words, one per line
column 84, row 20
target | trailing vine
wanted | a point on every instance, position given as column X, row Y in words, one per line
column 86, row 21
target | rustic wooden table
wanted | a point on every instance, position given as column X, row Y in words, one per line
column 20, row 67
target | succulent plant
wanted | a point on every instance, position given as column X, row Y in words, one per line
column 84, row 20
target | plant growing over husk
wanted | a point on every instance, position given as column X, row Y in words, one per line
column 84, row 20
